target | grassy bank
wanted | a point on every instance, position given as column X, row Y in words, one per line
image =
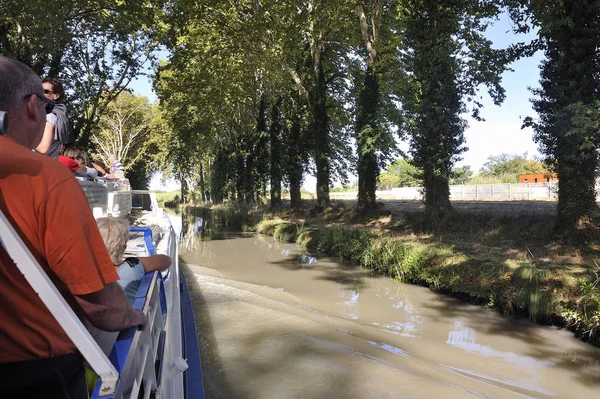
column 506, row 262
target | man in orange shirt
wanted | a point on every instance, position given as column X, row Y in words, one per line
column 49, row 210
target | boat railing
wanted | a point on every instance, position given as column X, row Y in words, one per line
column 137, row 353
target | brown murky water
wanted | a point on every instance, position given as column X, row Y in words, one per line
column 273, row 324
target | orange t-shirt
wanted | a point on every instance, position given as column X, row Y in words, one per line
column 47, row 207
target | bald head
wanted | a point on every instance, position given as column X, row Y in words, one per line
column 21, row 96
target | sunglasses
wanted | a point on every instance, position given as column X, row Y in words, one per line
column 48, row 91
column 41, row 97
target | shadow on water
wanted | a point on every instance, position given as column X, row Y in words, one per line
column 266, row 356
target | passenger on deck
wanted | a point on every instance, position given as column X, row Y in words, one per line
column 50, row 212
column 93, row 169
column 57, row 130
column 73, row 161
column 115, row 233
column 116, row 168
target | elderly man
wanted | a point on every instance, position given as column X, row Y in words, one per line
column 49, row 210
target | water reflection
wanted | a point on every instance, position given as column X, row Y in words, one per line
column 348, row 303
column 464, row 337
column 530, row 371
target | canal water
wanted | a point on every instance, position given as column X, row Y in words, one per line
column 276, row 323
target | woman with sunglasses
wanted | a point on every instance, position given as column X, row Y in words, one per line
column 56, row 133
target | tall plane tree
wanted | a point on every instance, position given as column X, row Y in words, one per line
column 568, row 102
column 375, row 143
column 446, row 58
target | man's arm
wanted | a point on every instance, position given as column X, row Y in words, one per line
column 108, row 309
column 47, row 139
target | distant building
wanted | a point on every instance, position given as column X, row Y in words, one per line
column 538, row 178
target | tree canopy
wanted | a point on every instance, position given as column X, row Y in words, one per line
column 255, row 95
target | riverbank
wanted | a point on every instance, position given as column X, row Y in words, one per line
column 508, row 262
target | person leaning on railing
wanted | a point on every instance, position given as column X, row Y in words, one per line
column 47, row 207
column 115, row 234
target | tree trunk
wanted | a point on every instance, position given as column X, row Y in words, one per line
column 249, row 180
column 294, row 157
column 437, row 194
column 261, row 154
column 576, row 192
column 203, row 196
column 184, row 189
column 367, row 131
column 276, row 153
column 240, row 178
column 321, row 138
column 218, row 177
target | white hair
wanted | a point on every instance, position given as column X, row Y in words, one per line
column 115, row 233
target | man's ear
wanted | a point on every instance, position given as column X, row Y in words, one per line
column 32, row 108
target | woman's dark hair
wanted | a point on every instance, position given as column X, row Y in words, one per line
column 56, row 88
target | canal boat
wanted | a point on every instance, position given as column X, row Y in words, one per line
column 161, row 361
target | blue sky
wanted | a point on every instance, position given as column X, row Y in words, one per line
column 501, row 132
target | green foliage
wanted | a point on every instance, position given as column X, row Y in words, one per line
column 533, row 292
column 94, row 48
column 168, row 200
column 491, row 179
column 508, row 167
column 400, row 173
column 461, row 175
column 567, row 102
column 446, row 59
column 234, row 215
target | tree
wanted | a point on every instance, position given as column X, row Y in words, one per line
column 375, row 143
column 400, row 173
column 568, row 101
column 367, row 126
column 130, row 131
column 446, row 59
column 461, row 175
column 509, row 167
column 94, row 48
